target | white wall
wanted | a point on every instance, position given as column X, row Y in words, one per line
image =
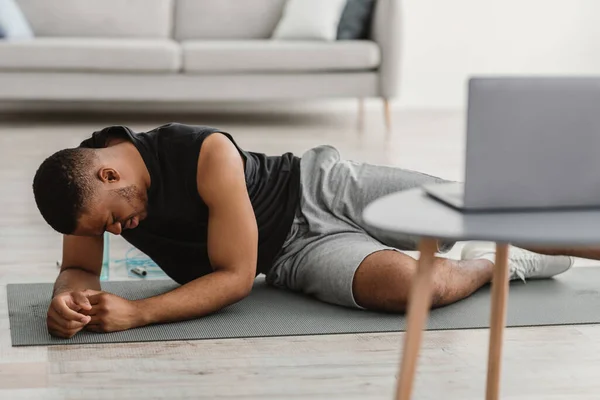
column 445, row 41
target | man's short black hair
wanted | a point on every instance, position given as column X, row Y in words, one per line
column 63, row 185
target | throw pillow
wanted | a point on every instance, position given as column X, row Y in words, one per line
column 13, row 22
column 310, row 20
column 355, row 23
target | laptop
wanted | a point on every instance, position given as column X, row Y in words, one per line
column 532, row 143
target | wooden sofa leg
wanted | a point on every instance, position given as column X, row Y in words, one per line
column 361, row 114
column 387, row 114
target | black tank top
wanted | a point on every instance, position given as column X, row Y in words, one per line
column 174, row 235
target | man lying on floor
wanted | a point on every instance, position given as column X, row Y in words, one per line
column 213, row 216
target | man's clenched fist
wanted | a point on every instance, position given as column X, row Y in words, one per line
column 111, row 313
column 65, row 317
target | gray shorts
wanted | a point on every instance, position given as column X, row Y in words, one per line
column 328, row 239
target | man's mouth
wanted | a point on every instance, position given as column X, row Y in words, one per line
column 132, row 222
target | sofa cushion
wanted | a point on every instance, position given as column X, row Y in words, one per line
column 355, row 22
column 310, row 20
column 99, row 18
column 281, row 56
column 13, row 24
column 102, row 55
column 226, row 19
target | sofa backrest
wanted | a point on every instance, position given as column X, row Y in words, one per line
column 226, row 19
column 100, row 18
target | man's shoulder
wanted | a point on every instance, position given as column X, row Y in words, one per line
column 99, row 138
column 177, row 128
column 171, row 130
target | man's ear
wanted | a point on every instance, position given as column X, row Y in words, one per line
column 109, row 175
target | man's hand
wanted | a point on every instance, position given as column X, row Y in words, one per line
column 111, row 313
column 66, row 313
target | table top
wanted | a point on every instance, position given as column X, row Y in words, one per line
column 416, row 213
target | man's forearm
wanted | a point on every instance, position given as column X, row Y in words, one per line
column 74, row 278
column 195, row 299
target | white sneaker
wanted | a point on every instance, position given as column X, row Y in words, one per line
column 522, row 263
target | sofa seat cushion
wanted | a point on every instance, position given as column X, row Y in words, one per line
column 91, row 54
column 279, row 56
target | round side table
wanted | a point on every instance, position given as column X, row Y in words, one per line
column 416, row 213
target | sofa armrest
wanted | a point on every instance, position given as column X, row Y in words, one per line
column 386, row 31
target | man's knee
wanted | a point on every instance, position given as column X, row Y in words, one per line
column 383, row 282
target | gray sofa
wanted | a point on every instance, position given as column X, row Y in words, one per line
column 189, row 50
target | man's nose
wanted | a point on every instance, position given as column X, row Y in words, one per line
column 115, row 228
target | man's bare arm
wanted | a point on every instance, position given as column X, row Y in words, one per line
column 232, row 239
column 81, row 264
column 232, row 248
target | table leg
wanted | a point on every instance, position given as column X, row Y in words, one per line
column 417, row 313
column 498, row 320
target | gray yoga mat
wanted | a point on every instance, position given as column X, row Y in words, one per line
column 571, row 298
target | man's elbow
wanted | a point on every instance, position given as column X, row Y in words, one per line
column 239, row 281
column 243, row 287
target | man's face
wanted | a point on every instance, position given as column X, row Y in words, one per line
column 112, row 210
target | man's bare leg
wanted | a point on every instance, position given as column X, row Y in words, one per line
column 523, row 263
column 383, row 280
column 592, row 253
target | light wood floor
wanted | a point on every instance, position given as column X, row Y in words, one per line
column 539, row 363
